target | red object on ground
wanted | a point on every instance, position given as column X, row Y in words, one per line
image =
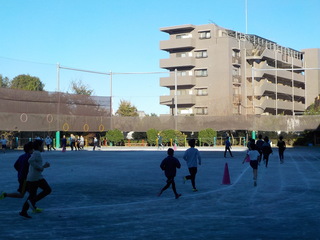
column 226, row 175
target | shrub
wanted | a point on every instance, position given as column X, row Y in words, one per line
column 152, row 135
column 207, row 136
column 115, row 136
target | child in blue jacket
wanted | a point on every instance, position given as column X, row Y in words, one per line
column 22, row 167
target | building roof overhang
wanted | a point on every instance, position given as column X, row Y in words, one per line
column 178, row 29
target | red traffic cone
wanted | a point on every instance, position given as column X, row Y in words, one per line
column 226, row 176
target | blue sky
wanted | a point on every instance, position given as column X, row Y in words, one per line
column 123, row 36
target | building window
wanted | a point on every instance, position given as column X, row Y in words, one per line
column 183, row 92
column 184, row 54
column 236, row 53
column 236, row 71
column 201, row 72
column 184, row 35
column 205, row 35
column 184, row 110
column 201, row 111
column 184, row 73
column 201, row 54
column 202, row 92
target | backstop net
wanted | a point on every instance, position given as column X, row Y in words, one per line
column 53, row 111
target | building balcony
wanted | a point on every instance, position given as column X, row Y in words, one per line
column 264, row 103
column 177, row 62
column 236, row 61
column 264, row 86
column 181, row 81
column 263, row 69
column 173, row 44
column 182, row 100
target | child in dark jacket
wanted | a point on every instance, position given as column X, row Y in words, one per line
column 169, row 165
column 22, row 167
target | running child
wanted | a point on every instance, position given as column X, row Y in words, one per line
column 266, row 150
column 282, row 146
column 22, row 166
column 35, row 180
column 253, row 155
column 169, row 165
column 192, row 157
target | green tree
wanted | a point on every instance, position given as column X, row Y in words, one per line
column 27, row 82
column 4, row 82
column 174, row 135
column 206, row 136
column 126, row 109
column 78, row 87
column 115, row 136
column 314, row 108
column 152, row 135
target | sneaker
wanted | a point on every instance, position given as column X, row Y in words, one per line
column 25, row 215
column 194, row 189
column 37, row 210
column 184, row 179
column 178, row 195
column 3, row 195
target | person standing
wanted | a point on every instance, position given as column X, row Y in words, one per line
column 48, row 142
column 72, row 142
column 169, row 165
column 253, row 154
column 160, row 146
column 192, row 157
column 95, row 143
column 81, row 142
column 4, row 143
column 282, row 146
column 266, row 150
column 64, row 143
column 35, row 180
column 22, row 167
column 227, row 147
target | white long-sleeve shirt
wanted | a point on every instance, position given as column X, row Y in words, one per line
column 35, row 167
column 192, row 156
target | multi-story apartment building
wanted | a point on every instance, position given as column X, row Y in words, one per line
column 219, row 72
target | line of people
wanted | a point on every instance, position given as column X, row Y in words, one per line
column 261, row 149
column 76, row 142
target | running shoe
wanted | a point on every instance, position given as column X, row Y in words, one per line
column 194, row 189
column 37, row 210
column 25, row 215
column 184, row 179
column 178, row 195
column 3, row 195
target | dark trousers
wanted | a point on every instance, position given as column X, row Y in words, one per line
column 192, row 176
column 266, row 158
column 33, row 196
column 170, row 181
column 225, row 151
column 281, row 151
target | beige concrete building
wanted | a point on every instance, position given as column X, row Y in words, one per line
column 219, row 72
